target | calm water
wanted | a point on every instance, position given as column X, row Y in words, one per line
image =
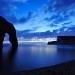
column 34, row 55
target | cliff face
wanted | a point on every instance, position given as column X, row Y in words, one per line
column 66, row 40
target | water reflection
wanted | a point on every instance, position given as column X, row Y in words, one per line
column 66, row 52
column 35, row 55
column 5, row 61
column 12, row 53
column 0, row 57
column 52, row 49
column 0, row 51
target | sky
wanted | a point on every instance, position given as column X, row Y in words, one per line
column 40, row 17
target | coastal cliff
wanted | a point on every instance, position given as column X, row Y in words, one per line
column 63, row 40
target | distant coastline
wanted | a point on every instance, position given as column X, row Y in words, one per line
column 63, row 40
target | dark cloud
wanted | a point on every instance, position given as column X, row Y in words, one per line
column 28, row 34
column 58, row 4
column 60, row 20
column 13, row 19
column 52, row 17
column 52, row 25
column 65, row 31
column 67, row 23
column 24, row 31
column 25, row 19
column 72, row 29
column 7, row 10
column 60, row 16
column 47, row 19
column 5, row 7
column 63, row 3
column 62, row 32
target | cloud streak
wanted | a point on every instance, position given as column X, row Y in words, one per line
column 23, row 1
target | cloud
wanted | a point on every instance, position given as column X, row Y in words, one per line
column 5, row 7
column 8, row 10
column 55, row 5
column 55, row 16
column 62, row 19
column 23, row 1
column 53, row 20
column 64, row 3
column 25, row 19
column 27, row 34
column 68, row 23
column 15, row 20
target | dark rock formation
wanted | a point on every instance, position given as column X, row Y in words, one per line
column 52, row 43
column 6, row 27
column 64, row 40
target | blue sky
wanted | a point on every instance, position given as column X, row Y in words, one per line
column 56, row 17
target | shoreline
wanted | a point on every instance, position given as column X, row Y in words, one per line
column 67, row 68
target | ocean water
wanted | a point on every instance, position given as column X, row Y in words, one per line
column 34, row 55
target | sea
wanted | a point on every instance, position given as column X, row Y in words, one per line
column 33, row 55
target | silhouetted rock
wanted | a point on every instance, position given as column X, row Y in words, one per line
column 64, row 40
column 6, row 27
column 52, row 43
